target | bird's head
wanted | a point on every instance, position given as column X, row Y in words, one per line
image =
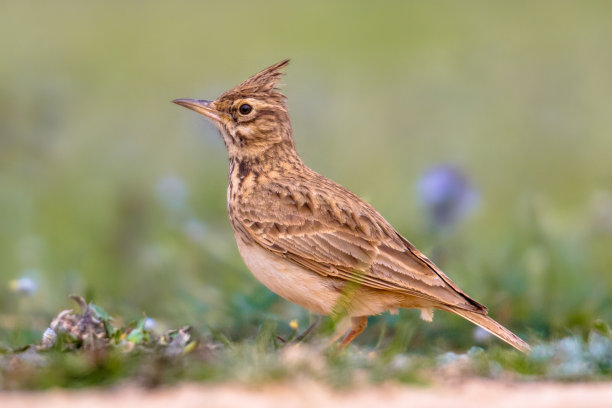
column 252, row 117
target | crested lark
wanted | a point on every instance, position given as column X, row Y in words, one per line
column 308, row 238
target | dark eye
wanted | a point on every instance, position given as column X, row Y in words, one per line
column 245, row 109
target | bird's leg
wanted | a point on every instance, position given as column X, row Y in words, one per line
column 306, row 332
column 358, row 324
column 341, row 327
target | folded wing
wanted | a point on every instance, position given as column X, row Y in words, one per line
column 345, row 237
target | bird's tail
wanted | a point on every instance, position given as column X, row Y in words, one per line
column 493, row 327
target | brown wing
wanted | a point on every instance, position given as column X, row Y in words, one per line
column 327, row 229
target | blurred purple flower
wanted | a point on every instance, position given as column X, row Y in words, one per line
column 24, row 285
column 195, row 230
column 481, row 335
column 447, row 195
column 150, row 324
column 172, row 192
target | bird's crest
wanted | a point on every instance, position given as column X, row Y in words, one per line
column 263, row 83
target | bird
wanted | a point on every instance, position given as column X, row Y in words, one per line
column 310, row 240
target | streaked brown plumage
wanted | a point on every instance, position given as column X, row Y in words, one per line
column 306, row 237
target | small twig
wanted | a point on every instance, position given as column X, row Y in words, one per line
column 306, row 332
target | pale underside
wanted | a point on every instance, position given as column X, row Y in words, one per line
column 317, row 293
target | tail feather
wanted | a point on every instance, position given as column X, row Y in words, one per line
column 493, row 327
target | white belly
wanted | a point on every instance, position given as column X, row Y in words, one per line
column 308, row 289
column 305, row 288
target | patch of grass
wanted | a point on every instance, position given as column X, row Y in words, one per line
column 87, row 349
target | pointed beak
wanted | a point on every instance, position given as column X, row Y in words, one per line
column 201, row 106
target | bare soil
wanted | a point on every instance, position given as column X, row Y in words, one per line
column 471, row 393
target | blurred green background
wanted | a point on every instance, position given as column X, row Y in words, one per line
column 109, row 190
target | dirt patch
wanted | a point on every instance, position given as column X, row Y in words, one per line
column 472, row 393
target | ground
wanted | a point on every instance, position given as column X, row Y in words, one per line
column 471, row 393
